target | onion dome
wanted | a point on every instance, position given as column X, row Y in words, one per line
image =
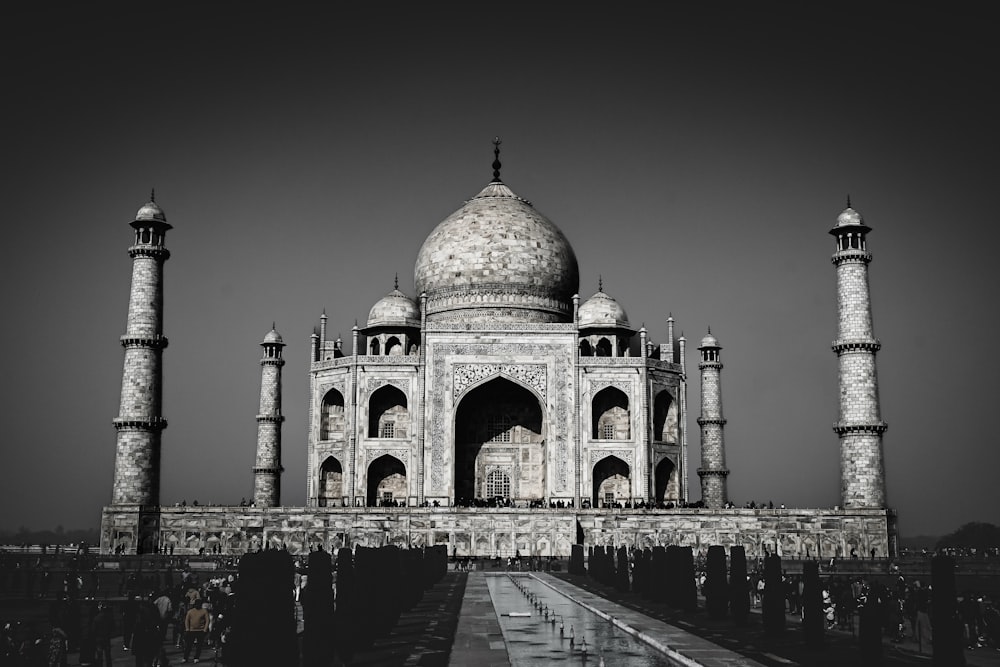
column 602, row 311
column 849, row 217
column 709, row 340
column 497, row 259
column 272, row 337
column 150, row 212
column 395, row 309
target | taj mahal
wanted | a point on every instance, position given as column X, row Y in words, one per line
column 496, row 411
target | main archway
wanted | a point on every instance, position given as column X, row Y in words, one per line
column 499, row 445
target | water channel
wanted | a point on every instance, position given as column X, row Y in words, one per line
column 543, row 627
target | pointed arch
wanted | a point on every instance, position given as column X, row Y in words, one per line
column 331, row 420
column 499, row 428
column 585, row 348
column 603, row 348
column 664, row 417
column 331, row 483
column 393, row 346
column 388, row 414
column 665, row 475
column 373, row 347
column 386, row 481
column 612, row 481
column 610, row 416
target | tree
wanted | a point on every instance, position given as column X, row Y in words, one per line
column 973, row 535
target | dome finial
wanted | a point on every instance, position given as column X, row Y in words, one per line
column 152, row 195
column 395, row 282
column 274, row 326
column 710, row 330
column 496, row 159
column 600, row 283
column 848, row 200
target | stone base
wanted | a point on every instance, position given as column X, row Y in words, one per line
column 488, row 532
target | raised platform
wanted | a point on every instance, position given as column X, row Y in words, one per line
column 488, row 532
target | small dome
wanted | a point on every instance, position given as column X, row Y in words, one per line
column 709, row 340
column 272, row 337
column 150, row 212
column 394, row 309
column 849, row 217
column 601, row 310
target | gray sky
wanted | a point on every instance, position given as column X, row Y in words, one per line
column 695, row 156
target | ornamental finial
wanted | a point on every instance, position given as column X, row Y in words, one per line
column 395, row 282
column 848, row 200
column 496, row 159
column 152, row 195
column 600, row 283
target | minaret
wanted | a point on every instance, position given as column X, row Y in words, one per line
column 140, row 422
column 860, row 426
column 713, row 470
column 267, row 469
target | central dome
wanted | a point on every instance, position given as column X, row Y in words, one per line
column 497, row 259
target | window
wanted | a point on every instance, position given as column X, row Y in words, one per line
column 497, row 485
column 609, row 499
column 388, row 430
column 498, row 428
column 609, row 431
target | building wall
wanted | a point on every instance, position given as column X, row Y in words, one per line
column 487, row 532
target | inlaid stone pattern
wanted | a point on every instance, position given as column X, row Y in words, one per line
column 466, row 375
column 489, row 532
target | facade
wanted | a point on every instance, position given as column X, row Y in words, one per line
column 495, row 411
column 499, row 387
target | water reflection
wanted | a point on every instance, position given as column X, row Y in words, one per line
column 543, row 627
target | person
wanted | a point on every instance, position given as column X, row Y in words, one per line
column 146, row 634
column 164, row 608
column 58, row 647
column 195, row 629
column 102, row 627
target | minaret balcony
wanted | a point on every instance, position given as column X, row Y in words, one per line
column 851, row 255
column 151, row 424
column 858, row 345
column 708, row 472
column 702, row 421
column 270, row 419
column 869, row 428
column 157, row 342
column 146, row 250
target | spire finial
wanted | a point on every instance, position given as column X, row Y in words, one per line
column 600, row 283
column 848, row 200
column 496, row 159
column 395, row 282
column 710, row 330
column 273, row 326
column 152, row 195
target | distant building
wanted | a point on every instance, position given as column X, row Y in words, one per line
column 497, row 411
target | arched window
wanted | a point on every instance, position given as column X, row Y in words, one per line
column 667, row 487
column 331, row 420
column 393, row 346
column 612, row 482
column 498, row 428
column 373, row 347
column 498, row 484
column 585, row 349
column 610, row 413
column 603, row 348
column 388, row 416
column 386, row 482
column 331, row 483
column 664, row 417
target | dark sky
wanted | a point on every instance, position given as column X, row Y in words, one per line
column 695, row 155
